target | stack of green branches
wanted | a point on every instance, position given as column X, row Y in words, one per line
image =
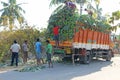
column 88, row 22
column 66, row 19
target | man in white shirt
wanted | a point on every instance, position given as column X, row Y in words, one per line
column 15, row 48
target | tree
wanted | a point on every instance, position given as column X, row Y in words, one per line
column 97, row 11
column 11, row 13
column 29, row 33
column 115, row 17
column 56, row 2
column 80, row 2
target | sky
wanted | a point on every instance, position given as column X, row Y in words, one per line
column 38, row 11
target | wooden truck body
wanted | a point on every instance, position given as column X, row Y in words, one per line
column 86, row 44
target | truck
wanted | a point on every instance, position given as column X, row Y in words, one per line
column 86, row 45
column 82, row 37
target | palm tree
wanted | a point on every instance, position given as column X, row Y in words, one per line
column 80, row 2
column 56, row 2
column 97, row 10
column 11, row 13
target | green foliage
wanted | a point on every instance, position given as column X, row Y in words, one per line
column 7, row 38
column 115, row 16
column 56, row 2
column 65, row 18
column 87, row 20
column 93, row 24
column 103, row 26
column 69, row 19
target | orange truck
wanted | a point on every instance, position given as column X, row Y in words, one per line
column 86, row 45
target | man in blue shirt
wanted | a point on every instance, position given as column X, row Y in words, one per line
column 38, row 49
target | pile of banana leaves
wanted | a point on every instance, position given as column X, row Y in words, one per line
column 65, row 18
column 3, row 65
column 69, row 20
column 88, row 22
column 31, row 69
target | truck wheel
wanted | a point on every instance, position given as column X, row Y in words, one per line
column 109, row 56
column 87, row 58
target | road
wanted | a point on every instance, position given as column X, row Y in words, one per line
column 96, row 70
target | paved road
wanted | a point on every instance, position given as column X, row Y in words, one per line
column 96, row 70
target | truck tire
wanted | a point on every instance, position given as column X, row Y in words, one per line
column 87, row 58
column 109, row 56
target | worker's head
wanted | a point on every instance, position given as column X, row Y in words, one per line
column 55, row 25
column 65, row 1
column 85, row 9
column 25, row 41
column 47, row 41
column 15, row 41
column 115, row 37
column 38, row 39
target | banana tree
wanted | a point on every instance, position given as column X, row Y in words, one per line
column 11, row 13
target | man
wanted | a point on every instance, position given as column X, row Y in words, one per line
column 38, row 49
column 25, row 51
column 49, row 53
column 70, row 4
column 15, row 48
column 56, row 35
column 89, row 12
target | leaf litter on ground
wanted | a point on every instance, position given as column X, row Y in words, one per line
column 33, row 68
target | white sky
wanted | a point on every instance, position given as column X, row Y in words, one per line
column 38, row 11
column 110, row 5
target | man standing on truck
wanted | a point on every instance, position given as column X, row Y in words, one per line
column 70, row 4
column 56, row 35
column 89, row 12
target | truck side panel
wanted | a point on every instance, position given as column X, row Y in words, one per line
column 99, row 40
column 94, row 40
column 76, row 37
column 89, row 39
column 81, row 38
